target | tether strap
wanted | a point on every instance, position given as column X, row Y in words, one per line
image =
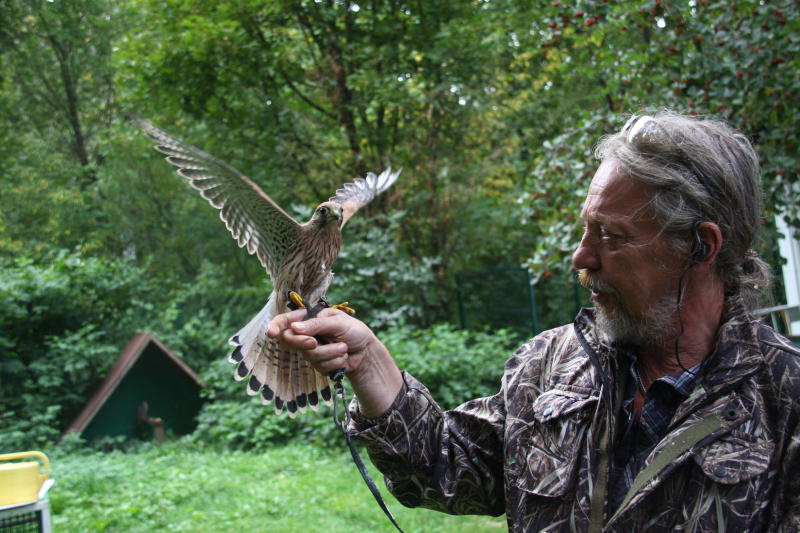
column 340, row 397
column 683, row 443
column 599, row 493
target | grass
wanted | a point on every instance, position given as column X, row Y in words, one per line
column 296, row 488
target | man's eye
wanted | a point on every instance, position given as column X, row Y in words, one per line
column 609, row 236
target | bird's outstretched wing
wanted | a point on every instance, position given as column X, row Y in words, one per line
column 252, row 217
column 358, row 193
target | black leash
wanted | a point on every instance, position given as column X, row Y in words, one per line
column 339, row 396
column 340, row 402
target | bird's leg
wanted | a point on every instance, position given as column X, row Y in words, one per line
column 295, row 300
column 344, row 307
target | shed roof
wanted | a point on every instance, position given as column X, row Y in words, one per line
column 119, row 370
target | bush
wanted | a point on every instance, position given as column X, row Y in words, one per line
column 457, row 365
column 59, row 325
column 62, row 326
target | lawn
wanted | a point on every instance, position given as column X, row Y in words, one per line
column 296, row 488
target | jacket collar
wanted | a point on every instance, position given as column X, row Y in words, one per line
column 736, row 354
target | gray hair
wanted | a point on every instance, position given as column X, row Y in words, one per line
column 701, row 170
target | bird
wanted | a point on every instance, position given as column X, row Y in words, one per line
column 298, row 257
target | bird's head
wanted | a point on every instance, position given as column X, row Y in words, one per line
column 327, row 214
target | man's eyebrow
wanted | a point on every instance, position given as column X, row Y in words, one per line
column 599, row 218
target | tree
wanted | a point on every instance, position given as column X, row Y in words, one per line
column 59, row 63
column 57, row 89
column 733, row 60
column 316, row 92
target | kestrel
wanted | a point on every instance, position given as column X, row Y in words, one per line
column 298, row 257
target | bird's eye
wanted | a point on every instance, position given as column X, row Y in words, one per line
column 322, row 210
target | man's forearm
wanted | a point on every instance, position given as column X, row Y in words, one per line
column 377, row 381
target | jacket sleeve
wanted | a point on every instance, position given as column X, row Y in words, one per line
column 450, row 461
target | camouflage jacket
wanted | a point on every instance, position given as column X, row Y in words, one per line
column 538, row 449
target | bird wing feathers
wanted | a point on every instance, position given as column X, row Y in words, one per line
column 258, row 223
column 358, row 193
column 253, row 218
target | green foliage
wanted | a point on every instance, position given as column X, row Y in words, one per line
column 381, row 280
column 456, row 365
column 232, row 420
column 491, row 108
column 63, row 325
column 733, row 60
column 57, row 322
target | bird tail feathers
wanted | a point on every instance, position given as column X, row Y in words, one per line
column 280, row 377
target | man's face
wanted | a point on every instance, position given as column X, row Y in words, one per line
column 623, row 259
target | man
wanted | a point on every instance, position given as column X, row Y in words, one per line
column 666, row 407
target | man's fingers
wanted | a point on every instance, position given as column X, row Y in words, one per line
column 294, row 341
column 327, row 357
column 320, row 338
column 326, row 324
column 282, row 322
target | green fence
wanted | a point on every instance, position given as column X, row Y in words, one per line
column 504, row 297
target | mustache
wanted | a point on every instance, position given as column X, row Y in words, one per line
column 592, row 283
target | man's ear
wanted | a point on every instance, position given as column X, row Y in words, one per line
column 707, row 237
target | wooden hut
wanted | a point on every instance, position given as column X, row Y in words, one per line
column 148, row 390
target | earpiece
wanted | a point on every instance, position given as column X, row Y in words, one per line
column 699, row 248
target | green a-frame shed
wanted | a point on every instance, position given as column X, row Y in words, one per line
column 147, row 379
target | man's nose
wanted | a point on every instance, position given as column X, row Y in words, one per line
column 585, row 255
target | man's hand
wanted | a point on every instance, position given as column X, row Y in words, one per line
column 373, row 374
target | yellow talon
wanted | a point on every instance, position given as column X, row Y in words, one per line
column 296, row 299
column 343, row 307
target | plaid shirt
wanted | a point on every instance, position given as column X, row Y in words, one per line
column 640, row 436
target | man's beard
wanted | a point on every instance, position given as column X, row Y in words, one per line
column 655, row 327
